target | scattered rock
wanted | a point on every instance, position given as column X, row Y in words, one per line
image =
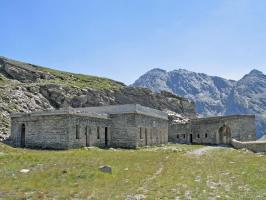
column 25, row 171
column 106, row 169
column 136, row 197
column 2, row 154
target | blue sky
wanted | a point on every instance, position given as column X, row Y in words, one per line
column 122, row 39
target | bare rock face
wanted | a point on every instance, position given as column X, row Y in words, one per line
column 22, row 71
column 63, row 96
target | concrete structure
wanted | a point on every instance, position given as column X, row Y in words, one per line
column 214, row 130
column 126, row 126
column 255, row 146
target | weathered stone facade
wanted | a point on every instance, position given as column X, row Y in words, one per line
column 126, row 126
column 214, row 130
column 123, row 126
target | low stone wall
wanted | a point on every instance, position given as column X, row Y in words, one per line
column 255, row 146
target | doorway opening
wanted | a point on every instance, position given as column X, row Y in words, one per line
column 106, row 136
column 191, row 139
column 146, row 138
column 22, row 135
column 224, row 135
column 88, row 133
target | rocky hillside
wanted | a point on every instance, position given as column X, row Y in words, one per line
column 25, row 87
column 213, row 95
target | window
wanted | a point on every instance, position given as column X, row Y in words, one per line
column 198, row 135
column 184, row 136
column 206, row 135
column 177, row 136
column 77, row 132
column 98, row 132
column 140, row 133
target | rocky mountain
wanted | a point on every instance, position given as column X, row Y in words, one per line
column 26, row 87
column 213, row 95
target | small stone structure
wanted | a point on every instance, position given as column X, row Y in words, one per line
column 125, row 126
column 255, row 146
column 214, row 130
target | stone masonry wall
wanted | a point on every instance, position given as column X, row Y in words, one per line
column 206, row 130
column 255, row 146
column 178, row 133
column 242, row 128
column 83, row 131
column 123, row 130
column 151, row 130
column 41, row 131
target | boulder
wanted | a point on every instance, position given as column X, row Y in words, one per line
column 106, row 169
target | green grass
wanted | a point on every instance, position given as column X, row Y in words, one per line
column 80, row 80
column 157, row 173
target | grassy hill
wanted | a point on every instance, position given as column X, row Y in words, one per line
column 58, row 77
column 80, row 80
column 168, row 172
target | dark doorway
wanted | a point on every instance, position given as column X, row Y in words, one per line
column 22, row 136
column 88, row 133
column 146, row 138
column 191, row 139
column 224, row 135
column 106, row 136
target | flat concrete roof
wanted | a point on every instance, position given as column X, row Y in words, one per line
column 124, row 109
column 58, row 112
column 100, row 111
column 222, row 117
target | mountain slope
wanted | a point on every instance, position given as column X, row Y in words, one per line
column 213, row 95
column 25, row 87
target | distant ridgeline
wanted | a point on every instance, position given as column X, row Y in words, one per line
column 213, row 95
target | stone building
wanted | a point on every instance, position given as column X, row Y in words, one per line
column 126, row 126
column 214, row 130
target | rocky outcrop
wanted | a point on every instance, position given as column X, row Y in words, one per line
column 214, row 95
column 18, row 99
column 23, row 72
column 63, row 96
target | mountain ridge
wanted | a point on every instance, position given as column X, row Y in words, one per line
column 213, row 95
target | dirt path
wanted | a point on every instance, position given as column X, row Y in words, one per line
column 204, row 150
column 143, row 189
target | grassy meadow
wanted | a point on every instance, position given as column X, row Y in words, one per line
column 166, row 172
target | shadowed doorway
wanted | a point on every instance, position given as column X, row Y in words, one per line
column 106, row 136
column 22, row 135
column 224, row 135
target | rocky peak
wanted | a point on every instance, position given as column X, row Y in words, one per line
column 255, row 72
column 214, row 95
